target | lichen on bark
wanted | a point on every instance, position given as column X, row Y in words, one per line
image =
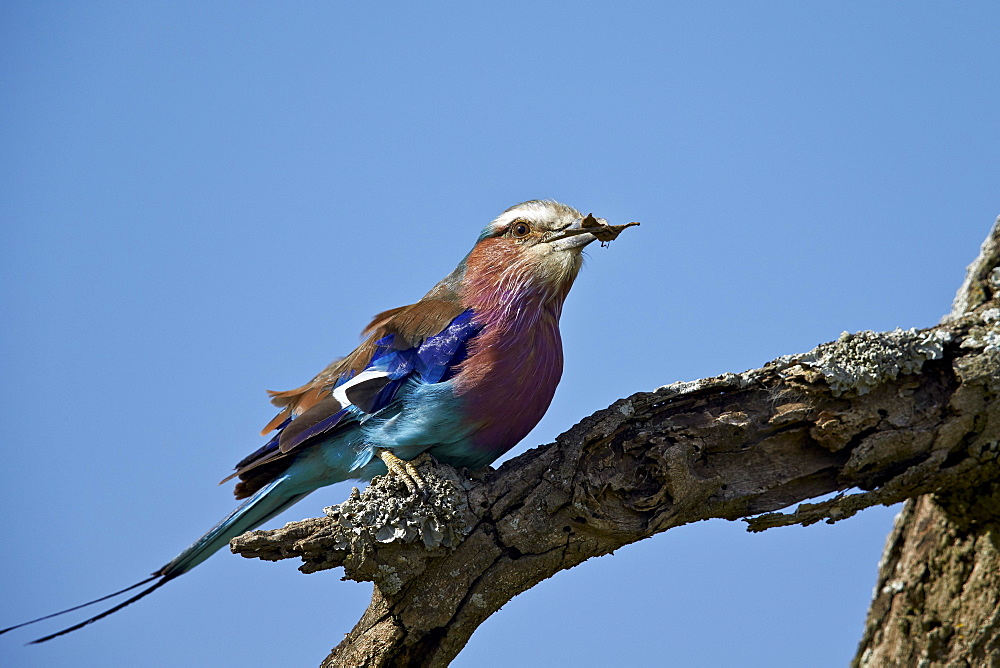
column 937, row 600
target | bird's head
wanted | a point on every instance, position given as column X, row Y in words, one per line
column 526, row 258
column 532, row 248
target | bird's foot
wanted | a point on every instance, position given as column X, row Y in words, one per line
column 405, row 470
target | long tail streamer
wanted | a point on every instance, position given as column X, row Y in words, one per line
column 144, row 592
column 82, row 605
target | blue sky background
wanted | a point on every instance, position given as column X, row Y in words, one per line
column 204, row 200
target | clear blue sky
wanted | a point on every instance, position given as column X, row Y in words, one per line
column 204, row 200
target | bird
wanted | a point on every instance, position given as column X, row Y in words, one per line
column 463, row 374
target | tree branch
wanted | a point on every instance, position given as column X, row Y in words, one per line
column 893, row 415
column 937, row 598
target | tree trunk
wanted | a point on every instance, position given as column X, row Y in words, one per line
column 895, row 415
column 937, row 601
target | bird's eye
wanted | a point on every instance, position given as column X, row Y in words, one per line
column 520, row 230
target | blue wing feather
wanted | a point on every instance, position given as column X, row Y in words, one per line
column 435, row 360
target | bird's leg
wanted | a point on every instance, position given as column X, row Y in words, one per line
column 405, row 470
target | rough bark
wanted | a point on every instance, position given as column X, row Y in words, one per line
column 937, row 600
column 877, row 417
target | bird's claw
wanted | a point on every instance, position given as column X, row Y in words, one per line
column 407, row 471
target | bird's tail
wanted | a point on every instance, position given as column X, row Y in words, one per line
column 267, row 502
column 262, row 506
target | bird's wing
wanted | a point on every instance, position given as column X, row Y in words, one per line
column 410, row 325
column 395, row 357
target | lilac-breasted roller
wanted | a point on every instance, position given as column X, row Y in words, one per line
column 463, row 374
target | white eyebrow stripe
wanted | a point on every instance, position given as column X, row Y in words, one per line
column 541, row 214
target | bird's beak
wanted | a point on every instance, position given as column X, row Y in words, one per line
column 584, row 230
column 576, row 234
